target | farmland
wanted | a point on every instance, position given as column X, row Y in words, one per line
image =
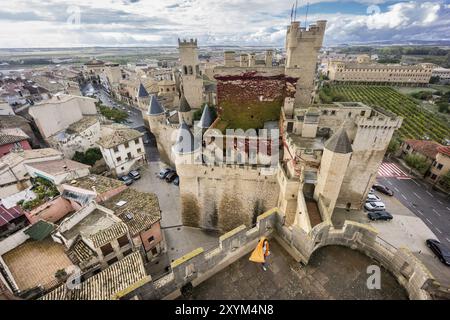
column 417, row 124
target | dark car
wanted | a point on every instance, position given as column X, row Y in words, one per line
column 383, row 189
column 164, row 172
column 134, row 174
column 176, row 181
column 171, row 176
column 439, row 250
column 379, row 215
column 126, row 179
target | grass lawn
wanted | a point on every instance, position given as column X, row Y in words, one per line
column 250, row 115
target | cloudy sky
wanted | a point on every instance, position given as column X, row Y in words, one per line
column 52, row 23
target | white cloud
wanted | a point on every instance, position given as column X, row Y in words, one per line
column 36, row 23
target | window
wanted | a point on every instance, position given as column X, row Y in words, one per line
column 126, row 145
column 116, row 149
column 151, row 239
column 106, row 249
column 362, row 113
column 127, row 252
column 333, row 112
column 433, row 177
column 123, row 241
column 136, row 141
column 439, row 166
column 139, row 150
column 111, row 261
column 154, row 251
column 119, row 159
column 129, row 155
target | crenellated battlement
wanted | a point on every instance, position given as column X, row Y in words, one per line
column 187, row 43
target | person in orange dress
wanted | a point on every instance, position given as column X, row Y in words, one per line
column 261, row 252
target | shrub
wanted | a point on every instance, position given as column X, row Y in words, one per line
column 113, row 114
column 90, row 157
column 417, row 162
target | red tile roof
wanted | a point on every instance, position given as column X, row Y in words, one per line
column 444, row 151
column 6, row 215
column 425, row 147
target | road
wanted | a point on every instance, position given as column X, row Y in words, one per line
column 134, row 115
column 432, row 207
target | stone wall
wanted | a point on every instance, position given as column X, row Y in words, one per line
column 408, row 270
column 224, row 197
column 199, row 265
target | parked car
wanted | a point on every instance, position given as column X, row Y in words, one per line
column 442, row 252
column 134, row 174
column 373, row 198
column 126, row 179
column 164, row 172
column 171, row 176
column 176, row 181
column 375, row 206
column 379, row 215
column 383, row 189
column 372, row 191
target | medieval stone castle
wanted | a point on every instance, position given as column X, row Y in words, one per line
column 306, row 159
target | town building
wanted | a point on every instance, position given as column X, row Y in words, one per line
column 58, row 171
column 14, row 176
column 141, row 213
column 13, row 139
column 440, row 167
column 425, row 148
column 122, row 148
column 192, row 81
column 364, row 71
column 442, row 73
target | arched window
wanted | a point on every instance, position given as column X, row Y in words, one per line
column 185, row 70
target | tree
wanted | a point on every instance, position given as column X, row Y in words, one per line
column 417, row 162
column 394, row 145
column 445, row 180
column 90, row 157
column 113, row 114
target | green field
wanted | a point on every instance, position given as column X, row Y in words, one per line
column 417, row 122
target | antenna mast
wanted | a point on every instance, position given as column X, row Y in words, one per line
column 306, row 16
column 295, row 12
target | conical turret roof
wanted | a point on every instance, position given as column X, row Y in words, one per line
column 184, row 104
column 207, row 118
column 154, row 107
column 339, row 142
column 142, row 92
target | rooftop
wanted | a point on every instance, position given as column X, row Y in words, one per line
column 35, row 263
column 99, row 226
column 425, row 147
column 7, row 215
column 139, row 210
column 102, row 184
column 56, row 167
column 107, row 284
column 14, row 158
column 118, row 136
column 83, row 124
column 12, row 135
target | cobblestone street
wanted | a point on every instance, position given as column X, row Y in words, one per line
column 332, row 273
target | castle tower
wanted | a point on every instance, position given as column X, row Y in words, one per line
column 335, row 160
column 185, row 111
column 155, row 115
column 269, row 58
column 243, row 60
column 192, row 81
column 187, row 148
column 229, row 58
column 251, row 59
column 302, row 49
column 142, row 96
